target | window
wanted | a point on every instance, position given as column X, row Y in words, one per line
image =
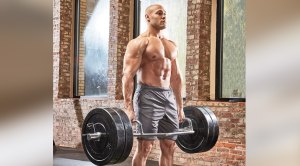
column 176, row 27
column 91, row 47
column 231, row 44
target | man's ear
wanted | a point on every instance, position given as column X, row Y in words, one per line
column 147, row 17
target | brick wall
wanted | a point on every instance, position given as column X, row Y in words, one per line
column 56, row 45
column 65, row 40
column 70, row 112
column 198, row 50
column 123, row 38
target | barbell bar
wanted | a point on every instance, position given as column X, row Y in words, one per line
column 136, row 133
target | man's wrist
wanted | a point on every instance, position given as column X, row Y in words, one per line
column 129, row 108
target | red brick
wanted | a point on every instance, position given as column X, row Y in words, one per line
column 240, row 157
column 229, row 145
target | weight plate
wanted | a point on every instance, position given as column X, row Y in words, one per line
column 128, row 135
column 106, row 149
column 203, row 127
column 120, row 149
column 215, row 129
column 210, row 129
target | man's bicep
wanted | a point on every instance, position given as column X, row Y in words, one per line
column 131, row 64
column 132, row 60
column 134, row 53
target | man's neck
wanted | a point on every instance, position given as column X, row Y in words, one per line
column 154, row 32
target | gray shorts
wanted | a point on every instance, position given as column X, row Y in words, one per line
column 156, row 109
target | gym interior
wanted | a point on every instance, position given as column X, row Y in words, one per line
column 86, row 76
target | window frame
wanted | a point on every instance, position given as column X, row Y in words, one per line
column 76, row 55
column 219, row 55
column 76, row 49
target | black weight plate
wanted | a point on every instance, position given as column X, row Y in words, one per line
column 122, row 136
column 128, row 135
column 104, row 150
column 202, row 125
column 210, row 128
column 215, row 129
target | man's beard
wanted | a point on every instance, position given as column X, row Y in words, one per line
column 163, row 27
column 159, row 26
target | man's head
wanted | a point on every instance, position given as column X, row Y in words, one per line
column 156, row 16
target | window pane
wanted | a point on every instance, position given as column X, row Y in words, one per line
column 93, row 52
column 175, row 30
column 234, row 42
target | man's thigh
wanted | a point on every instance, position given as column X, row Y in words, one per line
column 149, row 110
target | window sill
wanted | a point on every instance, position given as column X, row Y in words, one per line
column 103, row 97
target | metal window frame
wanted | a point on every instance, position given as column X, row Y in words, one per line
column 76, row 54
column 136, row 31
column 219, row 55
column 76, row 48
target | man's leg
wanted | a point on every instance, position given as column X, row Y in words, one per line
column 141, row 153
column 167, row 152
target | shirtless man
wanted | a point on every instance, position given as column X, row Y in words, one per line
column 157, row 101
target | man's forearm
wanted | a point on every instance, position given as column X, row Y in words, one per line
column 127, row 88
column 177, row 88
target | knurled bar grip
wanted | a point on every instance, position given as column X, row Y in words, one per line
column 164, row 134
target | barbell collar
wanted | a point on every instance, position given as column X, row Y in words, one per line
column 94, row 136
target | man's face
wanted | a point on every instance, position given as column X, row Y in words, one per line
column 157, row 17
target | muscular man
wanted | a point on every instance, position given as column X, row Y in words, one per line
column 157, row 101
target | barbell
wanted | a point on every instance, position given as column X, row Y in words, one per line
column 107, row 134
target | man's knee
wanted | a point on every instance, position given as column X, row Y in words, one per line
column 167, row 146
column 145, row 147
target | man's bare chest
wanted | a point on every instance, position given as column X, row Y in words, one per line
column 160, row 49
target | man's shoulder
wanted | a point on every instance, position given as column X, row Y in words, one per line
column 170, row 41
column 139, row 41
